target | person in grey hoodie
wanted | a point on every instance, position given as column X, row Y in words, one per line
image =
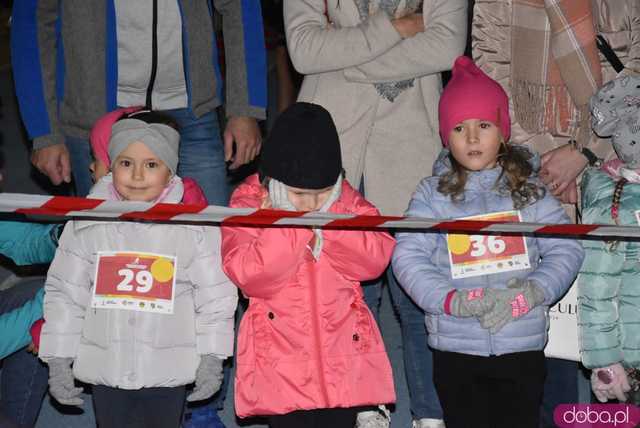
column 138, row 309
column 486, row 297
column 75, row 60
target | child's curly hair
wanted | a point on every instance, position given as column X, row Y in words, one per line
column 513, row 180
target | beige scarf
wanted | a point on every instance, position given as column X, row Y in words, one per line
column 555, row 66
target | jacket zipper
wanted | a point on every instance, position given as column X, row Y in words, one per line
column 316, row 331
column 491, row 351
column 154, row 55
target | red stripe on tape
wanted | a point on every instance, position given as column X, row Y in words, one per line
column 567, row 229
column 163, row 212
column 261, row 217
column 361, row 221
column 61, row 205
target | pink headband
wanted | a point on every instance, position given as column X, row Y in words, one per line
column 101, row 133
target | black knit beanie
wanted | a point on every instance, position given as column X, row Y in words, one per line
column 303, row 149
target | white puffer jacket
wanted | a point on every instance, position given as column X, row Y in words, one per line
column 129, row 349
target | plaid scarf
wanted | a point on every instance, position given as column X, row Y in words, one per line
column 555, row 66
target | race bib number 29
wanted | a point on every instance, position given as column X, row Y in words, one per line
column 474, row 255
column 134, row 281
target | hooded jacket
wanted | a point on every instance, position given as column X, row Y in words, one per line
column 421, row 264
column 129, row 349
column 308, row 340
column 608, row 298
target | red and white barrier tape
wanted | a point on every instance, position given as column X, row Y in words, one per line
column 68, row 207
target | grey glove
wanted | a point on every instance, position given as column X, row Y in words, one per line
column 61, row 386
column 278, row 195
column 471, row 303
column 208, row 378
column 516, row 300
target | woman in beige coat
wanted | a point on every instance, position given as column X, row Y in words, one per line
column 375, row 66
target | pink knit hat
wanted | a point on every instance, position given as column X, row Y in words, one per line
column 101, row 133
column 471, row 94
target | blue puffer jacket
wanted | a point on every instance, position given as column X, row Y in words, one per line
column 421, row 264
column 27, row 243
column 20, row 307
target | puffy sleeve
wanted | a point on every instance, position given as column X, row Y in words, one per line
column 413, row 258
column 215, row 297
column 259, row 260
column 67, row 296
column 561, row 258
column 357, row 254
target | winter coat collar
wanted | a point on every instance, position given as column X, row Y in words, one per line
column 487, row 179
column 103, row 189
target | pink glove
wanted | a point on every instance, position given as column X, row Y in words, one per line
column 610, row 383
column 35, row 330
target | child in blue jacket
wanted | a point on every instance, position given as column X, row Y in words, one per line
column 486, row 297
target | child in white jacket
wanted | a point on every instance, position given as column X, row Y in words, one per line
column 139, row 309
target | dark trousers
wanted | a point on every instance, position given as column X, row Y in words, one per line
column 319, row 418
column 492, row 392
column 147, row 407
column 23, row 379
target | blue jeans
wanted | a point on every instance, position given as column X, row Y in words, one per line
column 417, row 356
column 24, row 378
column 201, row 156
column 560, row 387
column 80, row 156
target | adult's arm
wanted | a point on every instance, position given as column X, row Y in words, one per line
column 429, row 52
column 33, row 56
column 315, row 46
column 633, row 62
column 246, row 61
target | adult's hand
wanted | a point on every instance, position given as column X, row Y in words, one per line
column 570, row 194
column 53, row 161
column 561, row 167
column 409, row 26
column 244, row 132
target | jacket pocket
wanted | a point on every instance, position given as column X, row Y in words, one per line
column 366, row 335
column 178, row 329
column 96, row 329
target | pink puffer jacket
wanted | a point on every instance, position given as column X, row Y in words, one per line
column 308, row 340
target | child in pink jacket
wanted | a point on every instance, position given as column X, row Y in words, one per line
column 309, row 351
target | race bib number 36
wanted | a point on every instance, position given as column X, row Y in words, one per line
column 473, row 255
column 135, row 281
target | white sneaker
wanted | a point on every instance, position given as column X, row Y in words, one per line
column 428, row 423
column 380, row 418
